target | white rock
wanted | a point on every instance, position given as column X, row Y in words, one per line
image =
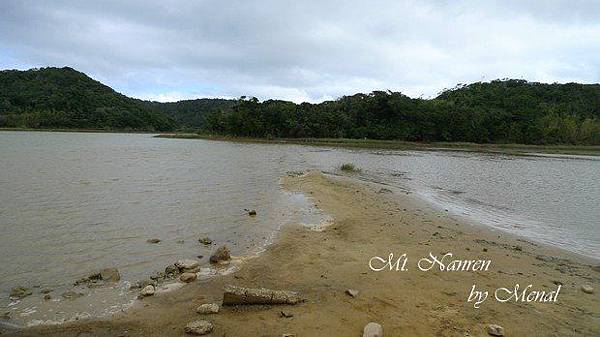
column 495, row 330
column 209, row 308
column 588, row 289
column 198, row 328
column 373, row 330
column 187, row 265
column 147, row 291
column 352, row 292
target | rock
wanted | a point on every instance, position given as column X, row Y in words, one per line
column 153, row 240
column 142, row 284
column 545, row 258
column 180, row 241
column 171, row 270
column 110, row 275
column 71, row 295
column 188, row 265
column 20, row 292
column 199, row 328
column 251, row 212
column 385, row 190
column 288, row 335
column 147, row 291
column 205, row 241
column 373, row 330
column 286, row 314
column 47, row 297
column 586, row 288
column 234, row 295
column 495, row 330
column 209, row 308
column 188, row 277
column 221, row 254
column 352, row 292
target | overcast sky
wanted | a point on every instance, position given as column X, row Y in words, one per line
column 302, row 50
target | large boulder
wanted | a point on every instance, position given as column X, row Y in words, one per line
column 198, row 328
column 221, row 254
column 234, row 295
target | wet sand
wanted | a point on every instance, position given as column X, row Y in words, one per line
column 322, row 265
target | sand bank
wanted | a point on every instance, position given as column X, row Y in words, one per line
column 370, row 223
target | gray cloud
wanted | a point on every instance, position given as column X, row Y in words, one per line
column 302, row 50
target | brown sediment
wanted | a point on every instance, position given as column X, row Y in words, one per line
column 321, row 266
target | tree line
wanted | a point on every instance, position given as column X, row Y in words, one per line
column 501, row 111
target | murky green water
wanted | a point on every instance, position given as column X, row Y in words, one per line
column 72, row 203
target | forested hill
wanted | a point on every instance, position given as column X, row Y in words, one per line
column 66, row 98
column 501, row 111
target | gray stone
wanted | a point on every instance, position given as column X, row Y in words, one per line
column 199, row 328
column 588, row 289
column 153, row 240
column 110, row 275
column 495, row 330
column 373, row 330
column 208, row 308
column 147, row 291
column 188, row 265
column 188, row 277
column 221, row 254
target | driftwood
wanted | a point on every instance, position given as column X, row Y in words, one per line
column 238, row 295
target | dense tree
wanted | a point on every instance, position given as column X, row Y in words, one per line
column 501, row 111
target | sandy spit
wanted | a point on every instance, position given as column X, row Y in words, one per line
column 322, row 265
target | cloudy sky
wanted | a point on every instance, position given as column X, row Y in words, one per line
column 302, row 50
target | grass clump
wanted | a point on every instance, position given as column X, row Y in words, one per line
column 349, row 167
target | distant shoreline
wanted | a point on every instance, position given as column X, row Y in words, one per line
column 514, row 149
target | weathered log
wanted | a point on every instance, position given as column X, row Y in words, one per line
column 238, row 295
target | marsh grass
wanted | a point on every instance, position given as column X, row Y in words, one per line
column 349, row 167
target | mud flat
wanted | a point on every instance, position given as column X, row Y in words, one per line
column 333, row 270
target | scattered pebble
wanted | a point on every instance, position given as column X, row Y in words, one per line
column 588, row 289
column 199, row 328
column 153, row 240
column 373, row 330
column 495, row 330
column 47, row 297
column 147, row 291
column 286, row 314
column 206, row 241
column 352, row 292
column 209, row 308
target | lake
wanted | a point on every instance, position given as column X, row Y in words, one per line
column 73, row 203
